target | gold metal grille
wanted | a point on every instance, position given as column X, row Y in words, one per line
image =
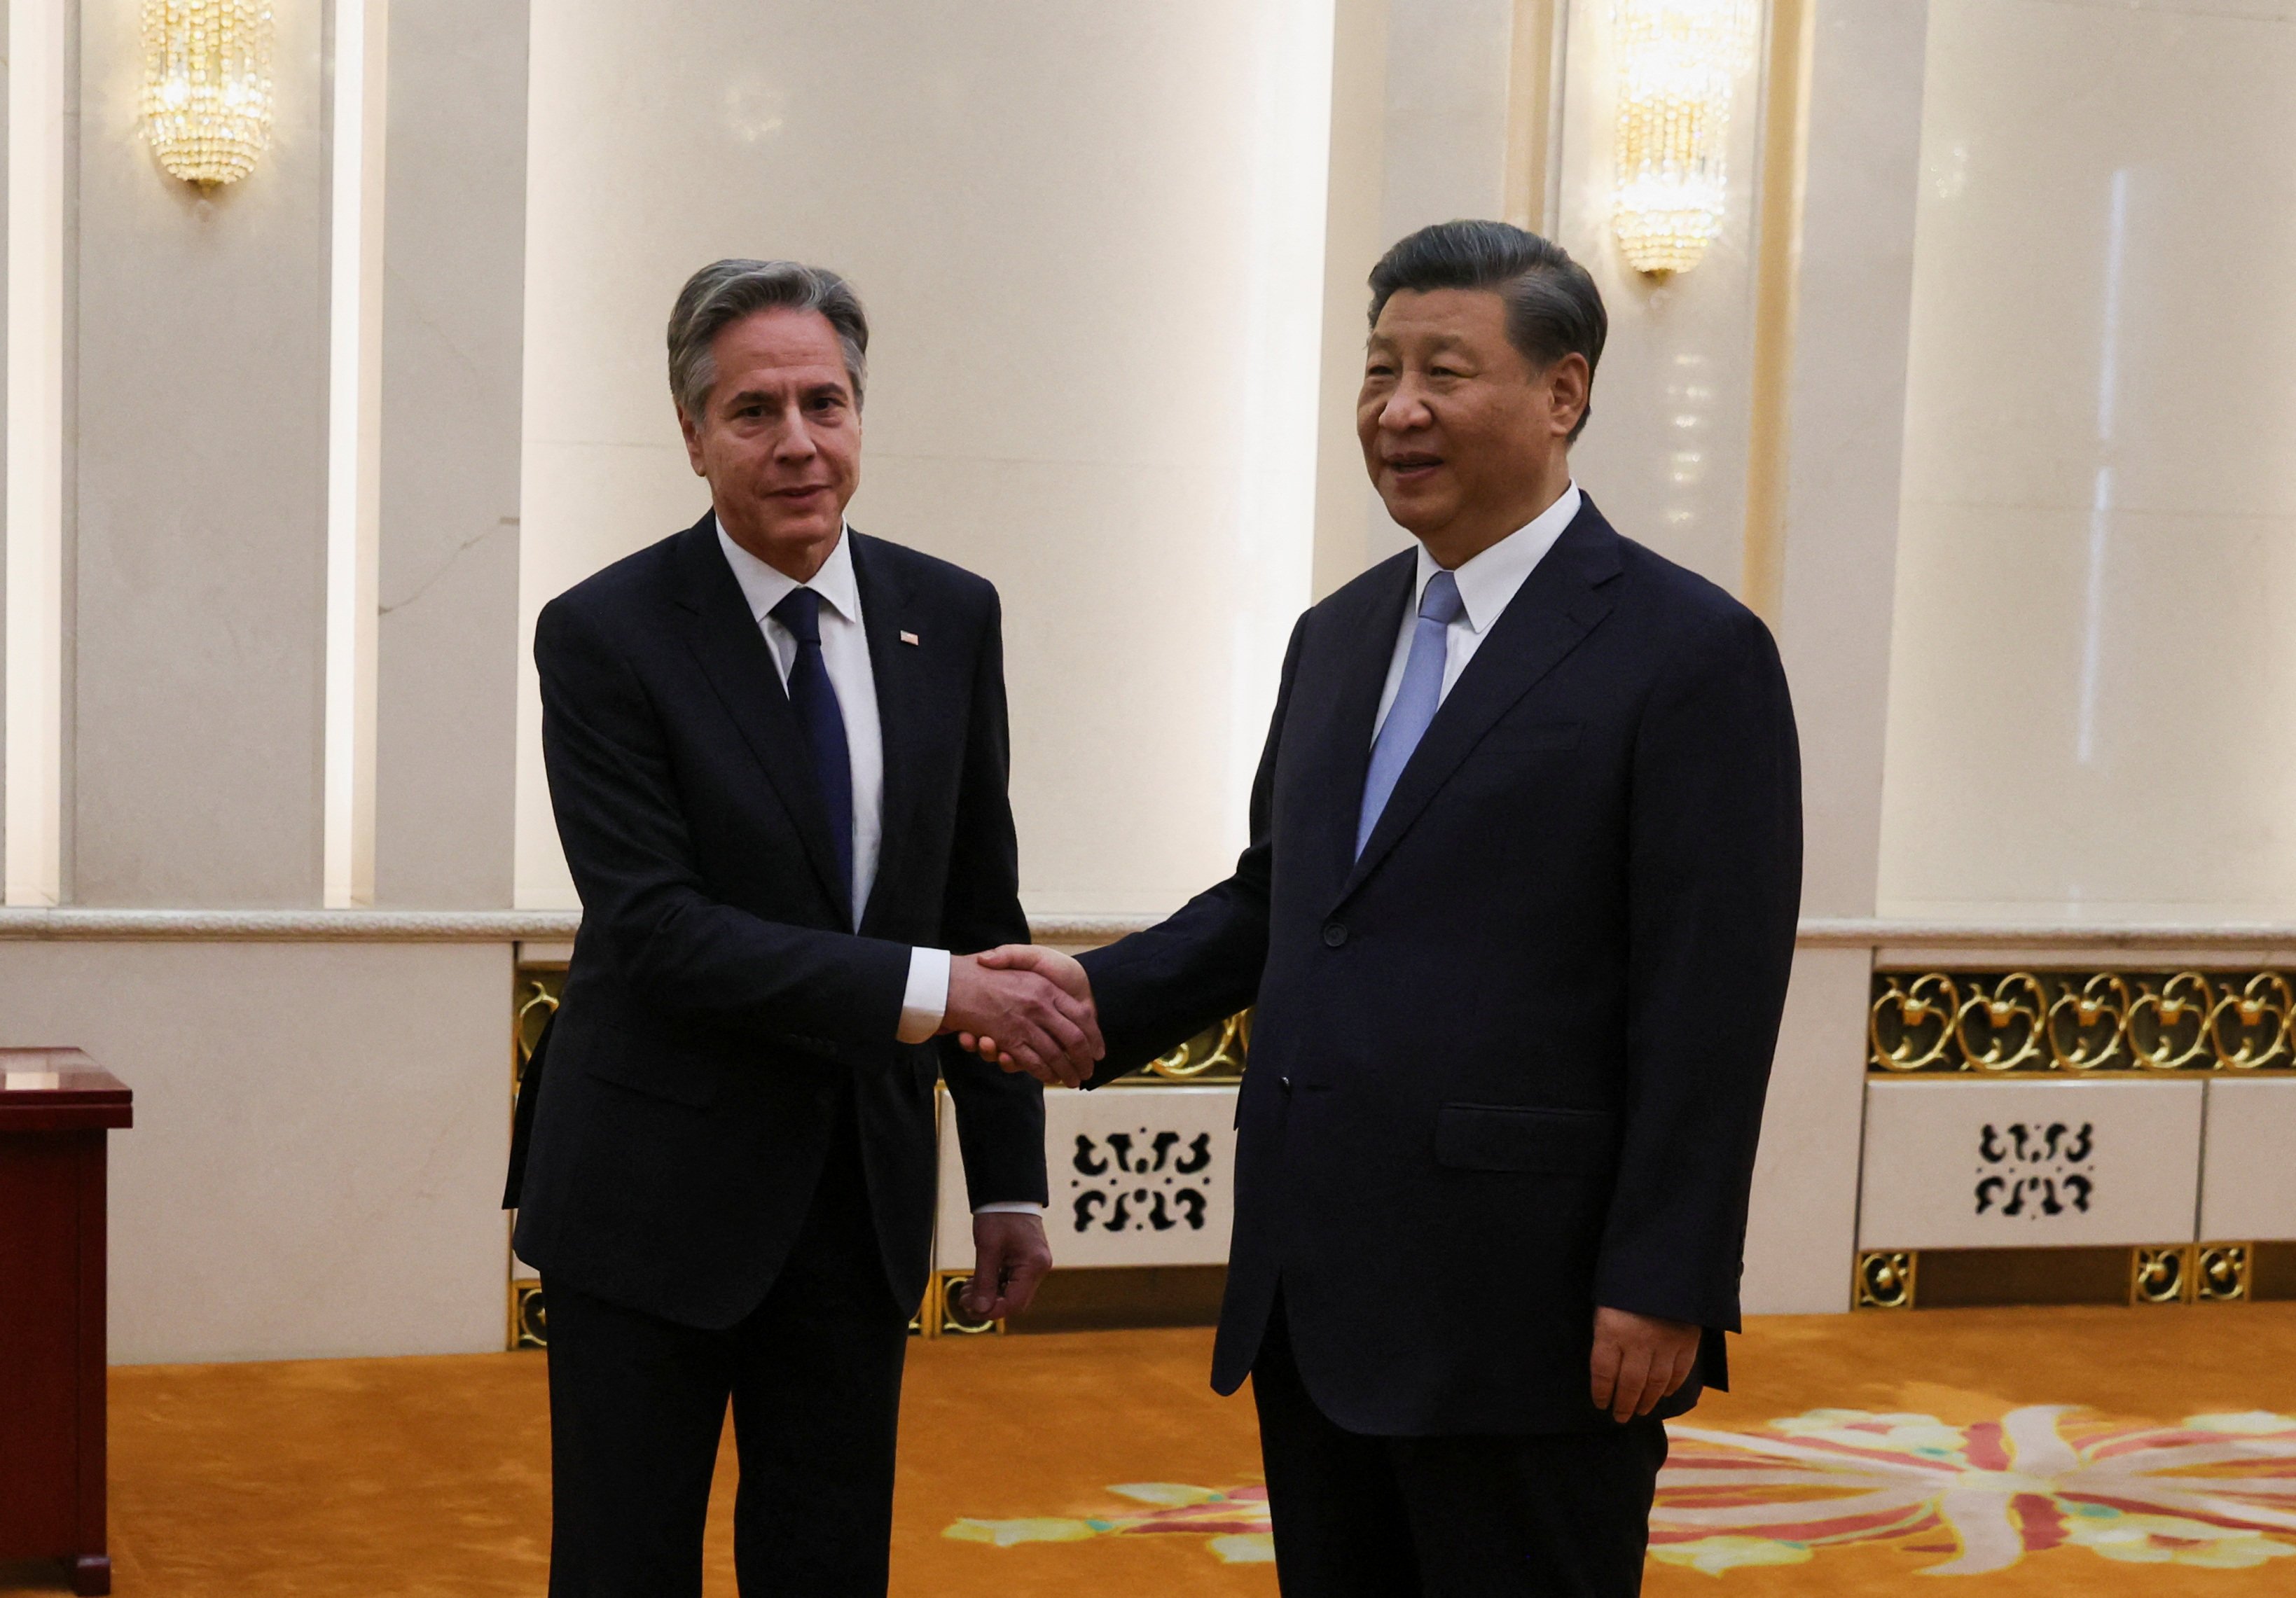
column 1215, row 1054
column 2082, row 1023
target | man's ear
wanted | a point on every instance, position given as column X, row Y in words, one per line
column 1568, row 382
column 692, row 436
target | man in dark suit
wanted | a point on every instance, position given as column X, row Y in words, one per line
column 1517, row 913
column 778, row 754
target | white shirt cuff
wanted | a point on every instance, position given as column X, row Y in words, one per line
column 926, row 1000
column 1013, row 1208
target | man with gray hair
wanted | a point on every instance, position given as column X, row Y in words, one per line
column 777, row 756
column 1517, row 917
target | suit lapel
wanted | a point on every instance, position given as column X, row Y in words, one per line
column 732, row 651
column 894, row 665
column 1341, row 733
column 1558, row 605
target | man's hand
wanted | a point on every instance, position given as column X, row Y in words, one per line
column 1010, row 1258
column 1639, row 1360
column 1040, row 1027
column 1060, row 970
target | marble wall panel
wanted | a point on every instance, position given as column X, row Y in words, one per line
column 315, row 1167
column 2248, row 1181
column 453, row 330
column 1845, row 430
column 1139, row 1177
column 2091, row 714
column 1964, row 1164
column 198, row 401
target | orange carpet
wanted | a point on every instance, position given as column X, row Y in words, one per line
column 2001, row 1452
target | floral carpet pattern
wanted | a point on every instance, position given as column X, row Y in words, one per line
column 2216, row 1492
column 1234, row 1523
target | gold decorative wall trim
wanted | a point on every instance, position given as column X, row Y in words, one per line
column 1215, row 1054
column 2161, row 1275
column 943, row 1314
column 2220, row 1272
column 529, row 1324
column 2147, row 1275
column 2082, row 1023
column 1886, row 1279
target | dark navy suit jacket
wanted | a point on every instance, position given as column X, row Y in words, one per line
column 719, row 1005
column 1510, row 1063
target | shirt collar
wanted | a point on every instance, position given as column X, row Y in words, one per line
column 1489, row 582
column 764, row 588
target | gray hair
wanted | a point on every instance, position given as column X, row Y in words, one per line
column 1553, row 307
column 725, row 292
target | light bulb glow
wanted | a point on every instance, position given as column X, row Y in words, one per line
column 207, row 86
column 1678, row 65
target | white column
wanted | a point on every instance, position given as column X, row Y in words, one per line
column 1844, row 441
column 41, row 48
column 359, row 118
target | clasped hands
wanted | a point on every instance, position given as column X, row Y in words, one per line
column 1028, row 1009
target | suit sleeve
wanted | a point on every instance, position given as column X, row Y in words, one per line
column 692, row 958
column 1158, row 988
column 1714, row 886
column 1000, row 1116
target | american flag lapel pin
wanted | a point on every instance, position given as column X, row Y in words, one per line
column 909, row 637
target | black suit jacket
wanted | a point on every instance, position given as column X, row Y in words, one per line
column 1510, row 1063
column 719, row 1006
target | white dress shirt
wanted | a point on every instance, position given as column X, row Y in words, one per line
column 845, row 652
column 1487, row 585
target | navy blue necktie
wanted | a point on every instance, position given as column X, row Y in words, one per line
column 815, row 698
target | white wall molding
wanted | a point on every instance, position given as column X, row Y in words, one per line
column 1894, row 941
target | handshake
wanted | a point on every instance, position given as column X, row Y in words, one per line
column 1027, row 1008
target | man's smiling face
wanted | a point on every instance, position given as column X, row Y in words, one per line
column 1460, row 432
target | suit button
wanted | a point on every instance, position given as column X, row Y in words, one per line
column 1335, row 933
column 1285, row 1082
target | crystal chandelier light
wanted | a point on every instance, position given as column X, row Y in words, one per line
column 1678, row 62
column 207, row 86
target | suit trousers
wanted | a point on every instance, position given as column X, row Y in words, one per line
column 1560, row 1515
column 637, row 1405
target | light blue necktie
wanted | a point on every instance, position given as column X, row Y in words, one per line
column 1416, row 701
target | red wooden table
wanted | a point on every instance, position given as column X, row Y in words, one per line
column 55, row 1107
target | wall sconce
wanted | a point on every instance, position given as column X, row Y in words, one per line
column 207, row 86
column 1678, row 64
